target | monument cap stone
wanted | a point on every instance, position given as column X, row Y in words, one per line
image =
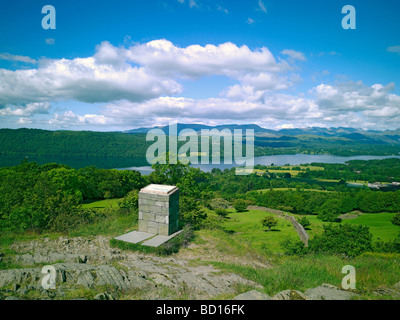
column 159, row 189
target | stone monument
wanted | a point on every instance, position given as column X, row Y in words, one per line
column 159, row 209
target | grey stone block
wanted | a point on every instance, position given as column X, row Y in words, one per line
column 149, row 216
column 163, row 229
column 143, row 225
column 158, row 209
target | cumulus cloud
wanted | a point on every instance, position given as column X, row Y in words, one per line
column 69, row 118
column 163, row 57
column 139, row 85
column 356, row 104
column 81, row 79
column 138, row 73
column 345, row 104
column 231, row 108
column 355, row 96
column 25, row 111
column 140, row 76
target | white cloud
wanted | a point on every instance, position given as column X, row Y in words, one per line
column 250, row 21
column 82, row 79
column 355, row 96
column 345, row 104
column 138, row 86
column 23, row 121
column 219, row 8
column 69, row 119
column 394, row 49
column 231, row 108
column 192, row 3
column 50, row 41
column 295, row 55
column 25, row 111
column 266, row 81
column 13, row 57
column 163, row 57
column 141, row 72
column 243, row 93
column 261, row 6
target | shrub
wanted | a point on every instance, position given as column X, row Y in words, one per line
column 392, row 246
column 190, row 212
column 396, row 219
column 212, row 222
column 291, row 247
column 240, row 205
column 129, row 204
column 218, row 203
column 269, row 222
column 221, row 212
column 346, row 239
column 330, row 210
column 304, row 222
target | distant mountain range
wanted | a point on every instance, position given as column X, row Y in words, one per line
column 356, row 135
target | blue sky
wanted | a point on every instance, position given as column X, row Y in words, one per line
column 125, row 64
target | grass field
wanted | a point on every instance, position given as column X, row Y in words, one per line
column 289, row 169
column 379, row 223
column 286, row 189
column 101, row 204
column 301, row 273
column 246, row 226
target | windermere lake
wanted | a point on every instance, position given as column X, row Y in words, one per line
column 278, row 160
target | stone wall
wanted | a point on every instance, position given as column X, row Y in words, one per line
column 299, row 229
column 158, row 212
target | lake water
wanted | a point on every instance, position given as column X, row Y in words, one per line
column 279, row 160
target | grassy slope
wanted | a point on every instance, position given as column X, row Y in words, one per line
column 101, row 204
column 380, row 225
column 302, row 273
column 247, row 227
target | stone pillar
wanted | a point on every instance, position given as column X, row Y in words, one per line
column 159, row 209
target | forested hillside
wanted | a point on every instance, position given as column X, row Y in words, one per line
column 33, row 142
column 118, row 149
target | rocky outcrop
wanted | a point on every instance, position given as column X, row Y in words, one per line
column 290, row 295
column 253, row 295
column 329, row 292
column 92, row 264
column 73, row 274
column 323, row 292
